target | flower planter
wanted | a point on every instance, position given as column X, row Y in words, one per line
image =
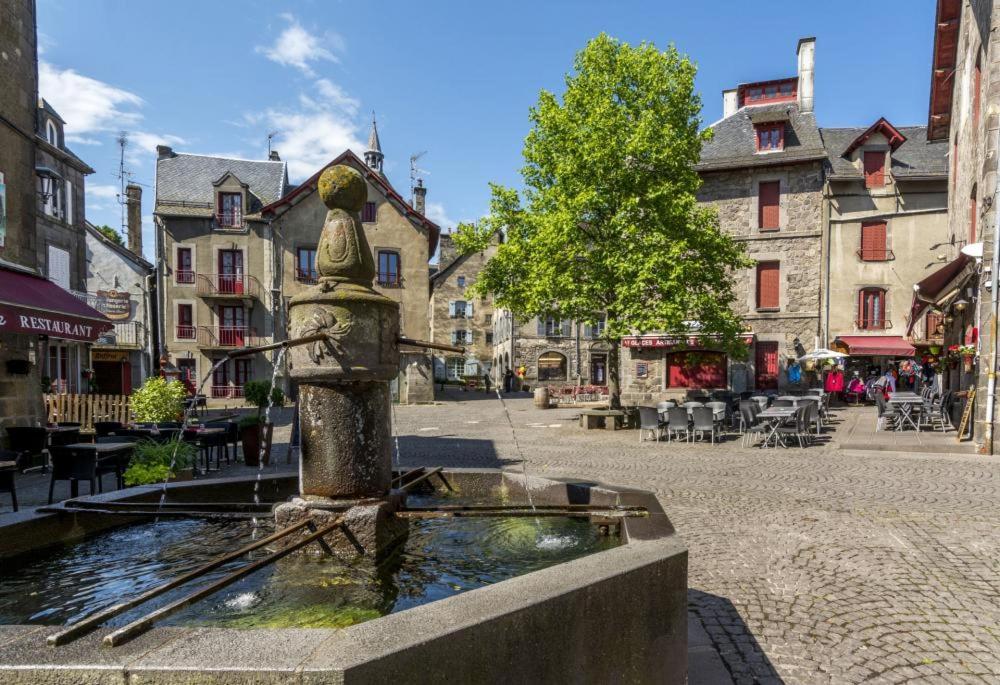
column 967, row 361
column 251, row 437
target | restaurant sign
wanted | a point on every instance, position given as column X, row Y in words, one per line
column 108, row 356
column 16, row 320
column 114, row 304
column 657, row 342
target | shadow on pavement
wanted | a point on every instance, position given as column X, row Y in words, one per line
column 721, row 648
column 450, row 451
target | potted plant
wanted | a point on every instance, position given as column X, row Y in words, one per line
column 158, row 400
column 254, row 432
column 968, row 355
column 151, row 462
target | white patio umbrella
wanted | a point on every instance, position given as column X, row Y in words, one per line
column 820, row 354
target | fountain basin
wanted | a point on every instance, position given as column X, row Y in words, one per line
column 615, row 615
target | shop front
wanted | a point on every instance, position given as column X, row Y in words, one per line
column 871, row 356
column 656, row 367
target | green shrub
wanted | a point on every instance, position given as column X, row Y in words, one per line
column 250, row 420
column 158, row 400
column 257, row 393
column 150, row 462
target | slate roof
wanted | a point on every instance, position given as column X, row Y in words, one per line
column 120, row 249
column 916, row 157
column 734, row 144
column 184, row 182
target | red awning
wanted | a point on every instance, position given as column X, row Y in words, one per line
column 35, row 305
column 876, row 345
column 938, row 285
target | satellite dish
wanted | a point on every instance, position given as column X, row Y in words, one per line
column 974, row 250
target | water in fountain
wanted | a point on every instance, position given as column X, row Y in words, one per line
column 279, row 357
column 517, row 446
column 395, row 436
column 185, row 421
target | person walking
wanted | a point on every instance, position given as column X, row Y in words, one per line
column 508, row 380
column 486, row 381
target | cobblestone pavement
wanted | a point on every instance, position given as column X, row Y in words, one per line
column 817, row 565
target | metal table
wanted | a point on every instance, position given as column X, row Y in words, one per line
column 775, row 416
column 905, row 401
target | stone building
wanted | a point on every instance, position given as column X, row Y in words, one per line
column 121, row 285
column 458, row 319
column 886, row 214
column 964, row 113
column 763, row 173
column 402, row 240
column 215, row 257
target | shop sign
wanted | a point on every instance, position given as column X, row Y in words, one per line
column 108, row 356
column 114, row 304
column 670, row 341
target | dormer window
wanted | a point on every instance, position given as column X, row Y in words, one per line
column 51, row 133
column 770, row 137
column 874, row 163
column 784, row 90
column 230, row 210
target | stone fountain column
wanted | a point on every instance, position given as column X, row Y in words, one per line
column 344, row 397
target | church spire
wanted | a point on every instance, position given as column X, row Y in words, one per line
column 373, row 155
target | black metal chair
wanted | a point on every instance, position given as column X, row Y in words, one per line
column 74, row 466
column 61, row 438
column 9, row 464
column 232, row 436
column 207, row 445
column 168, row 424
column 649, row 422
column 105, row 428
column 28, row 443
column 69, row 424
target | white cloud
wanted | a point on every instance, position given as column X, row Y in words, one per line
column 297, row 47
column 93, row 108
column 104, row 192
column 436, row 213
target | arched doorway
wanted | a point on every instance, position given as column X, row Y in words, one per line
column 552, row 366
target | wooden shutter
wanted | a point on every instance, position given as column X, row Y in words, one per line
column 766, row 365
column 59, row 266
column 768, row 285
column 468, row 310
column 451, row 309
column 873, row 241
column 566, row 330
column 769, row 205
column 874, row 169
column 541, row 327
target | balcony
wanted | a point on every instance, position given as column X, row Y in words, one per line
column 306, row 276
column 227, row 336
column 388, row 280
column 228, row 286
column 185, row 332
column 873, row 324
column 876, row 255
column 229, row 220
column 184, row 277
column 125, row 334
column 229, row 392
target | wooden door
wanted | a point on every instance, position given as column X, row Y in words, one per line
column 766, row 363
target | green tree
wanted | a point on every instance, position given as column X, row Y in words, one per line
column 607, row 222
column 158, row 400
column 110, row 233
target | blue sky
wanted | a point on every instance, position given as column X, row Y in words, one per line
column 454, row 79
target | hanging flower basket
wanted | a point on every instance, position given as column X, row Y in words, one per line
column 934, row 349
column 967, row 360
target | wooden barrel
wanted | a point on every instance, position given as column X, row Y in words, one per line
column 542, row 398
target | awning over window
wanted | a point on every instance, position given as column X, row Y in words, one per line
column 874, row 346
column 939, row 286
column 34, row 305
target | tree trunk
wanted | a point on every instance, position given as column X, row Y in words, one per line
column 614, row 383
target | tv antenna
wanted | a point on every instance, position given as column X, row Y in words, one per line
column 124, row 178
column 416, row 172
column 270, row 137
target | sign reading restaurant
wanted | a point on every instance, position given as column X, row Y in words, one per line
column 50, row 323
column 668, row 341
column 114, row 304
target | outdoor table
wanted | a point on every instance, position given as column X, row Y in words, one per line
column 905, row 401
column 761, row 401
column 774, row 416
column 106, row 451
column 718, row 415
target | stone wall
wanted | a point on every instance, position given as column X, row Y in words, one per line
column 20, row 395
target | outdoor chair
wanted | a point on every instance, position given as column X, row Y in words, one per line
column 662, row 407
column 677, row 422
column 886, row 416
column 702, row 421
column 28, row 443
column 813, row 417
column 232, row 436
column 207, row 446
column 168, row 424
column 692, row 404
column 749, row 424
column 719, row 406
column 72, row 465
column 69, row 424
column 60, row 438
column 649, row 422
column 796, row 427
column 105, row 428
column 8, row 470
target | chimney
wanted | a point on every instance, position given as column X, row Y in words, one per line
column 273, row 156
column 730, row 103
column 807, row 66
column 133, row 195
column 164, row 152
column 419, row 196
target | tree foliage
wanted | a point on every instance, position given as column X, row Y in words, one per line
column 158, row 400
column 110, row 233
column 608, row 220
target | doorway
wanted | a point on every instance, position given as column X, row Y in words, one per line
column 766, row 363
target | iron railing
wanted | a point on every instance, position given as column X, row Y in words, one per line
column 184, row 277
column 230, row 219
column 234, row 286
column 124, row 334
column 876, row 255
column 873, row 324
column 307, row 276
column 389, row 280
column 227, row 391
column 186, row 332
column 227, row 336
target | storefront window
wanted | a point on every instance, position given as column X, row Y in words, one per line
column 551, row 367
column 696, row 370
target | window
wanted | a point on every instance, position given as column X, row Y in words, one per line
column 761, row 93
column 489, row 338
column 696, row 370
column 874, row 169
column 873, row 242
column 220, row 379
column 461, row 281
column 368, row 213
column 59, row 266
column 231, row 279
column 455, row 367
column 389, row 274
column 230, row 210
column 461, row 337
column 184, row 273
column 305, row 265
column 770, row 137
column 973, row 212
column 460, row 309
column 232, row 326
column 551, row 367
column 872, row 310
column 185, row 322
column 59, row 369
column 189, row 375
column 552, row 327
column 768, row 285
column 51, row 133
column 68, row 202
column 488, row 320
column 977, row 84
column 766, row 365
column 242, row 372
column 595, row 330
column 769, row 205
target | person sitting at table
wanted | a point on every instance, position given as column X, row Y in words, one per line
column 855, row 389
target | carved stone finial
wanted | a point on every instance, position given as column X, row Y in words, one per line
column 343, row 254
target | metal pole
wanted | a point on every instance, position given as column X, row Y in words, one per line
column 991, row 373
column 430, row 345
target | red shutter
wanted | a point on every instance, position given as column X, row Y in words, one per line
column 874, row 169
column 768, row 285
column 768, row 205
column 873, row 241
column 766, row 365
